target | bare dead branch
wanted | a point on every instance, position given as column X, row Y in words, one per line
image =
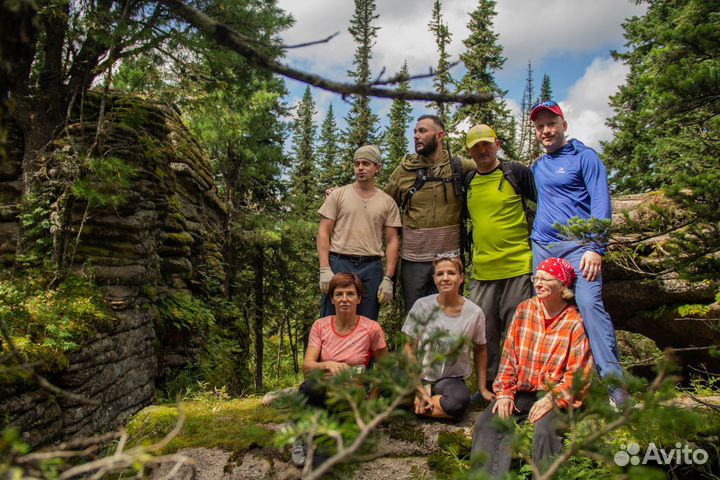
column 314, row 42
column 229, row 38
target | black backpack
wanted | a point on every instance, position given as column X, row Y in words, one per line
column 422, row 177
column 509, row 175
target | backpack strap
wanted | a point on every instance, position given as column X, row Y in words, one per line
column 466, row 242
column 420, row 180
column 509, row 175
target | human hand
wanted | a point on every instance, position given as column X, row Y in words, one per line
column 591, row 265
column 329, row 190
column 504, row 408
column 333, row 368
column 540, row 408
column 326, row 274
column 385, row 290
column 423, row 400
column 487, row 394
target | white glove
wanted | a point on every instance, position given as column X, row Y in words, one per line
column 326, row 274
column 385, row 290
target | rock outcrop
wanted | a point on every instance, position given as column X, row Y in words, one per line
column 161, row 235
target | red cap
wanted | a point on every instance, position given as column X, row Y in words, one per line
column 549, row 105
column 560, row 269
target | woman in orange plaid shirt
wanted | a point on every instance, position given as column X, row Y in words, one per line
column 545, row 347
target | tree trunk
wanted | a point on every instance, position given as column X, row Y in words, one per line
column 259, row 316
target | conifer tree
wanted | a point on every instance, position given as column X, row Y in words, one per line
column 396, row 143
column 666, row 123
column 304, row 179
column 361, row 122
column 443, row 79
column 482, row 57
column 528, row 148
column 329, row 151
column 545, row 89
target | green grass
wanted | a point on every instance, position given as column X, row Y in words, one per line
column 233, row 425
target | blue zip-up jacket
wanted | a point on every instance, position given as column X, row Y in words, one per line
column 571, row 182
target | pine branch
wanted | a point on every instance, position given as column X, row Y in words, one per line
column 230, row 39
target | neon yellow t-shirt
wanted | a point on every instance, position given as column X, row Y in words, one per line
column 499, row 228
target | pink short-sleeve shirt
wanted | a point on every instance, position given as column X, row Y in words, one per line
column 355, row 348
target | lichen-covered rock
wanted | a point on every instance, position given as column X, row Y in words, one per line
column 161, row 234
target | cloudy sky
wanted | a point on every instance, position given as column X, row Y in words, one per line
column 570, row 40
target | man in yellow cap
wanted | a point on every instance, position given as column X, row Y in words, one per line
column 498, row 193
column 353, row 220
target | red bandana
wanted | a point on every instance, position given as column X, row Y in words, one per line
column 560, row 269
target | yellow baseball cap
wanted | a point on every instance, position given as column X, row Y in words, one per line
column 480, row 133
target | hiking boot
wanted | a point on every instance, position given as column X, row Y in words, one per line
column 619, row 398
column 298, row 453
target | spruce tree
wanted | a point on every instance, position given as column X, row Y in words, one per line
column 483, row 56
column 360, row 120
column 666, row 123
column 527, row 133
column 443, row 79
column 329, row 151
column 396, row 143
column 545, row 89
column 304, row 187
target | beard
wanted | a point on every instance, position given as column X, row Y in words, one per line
column 427, row 149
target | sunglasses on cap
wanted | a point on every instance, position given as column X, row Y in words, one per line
column 549, row 104
column 447, row 256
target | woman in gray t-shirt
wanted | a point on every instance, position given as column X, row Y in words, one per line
column 441, row 328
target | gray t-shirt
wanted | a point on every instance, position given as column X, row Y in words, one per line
column 469, row 324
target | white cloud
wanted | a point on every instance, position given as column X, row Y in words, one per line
column 528, row 30
column 586, row 107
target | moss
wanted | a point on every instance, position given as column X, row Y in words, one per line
column 406, row 432
column 181, row 238
column 453, row 455
column 46, row 324
column 235, row 425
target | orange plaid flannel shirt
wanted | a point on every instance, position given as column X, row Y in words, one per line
column 538, row 358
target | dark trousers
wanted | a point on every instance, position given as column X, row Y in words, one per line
column 497, row 444
column 316, row 395
column 416, row 279
column 498, row 300
column 455, row 396
column 371, row 273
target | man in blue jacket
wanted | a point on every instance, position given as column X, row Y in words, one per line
column 572, row 181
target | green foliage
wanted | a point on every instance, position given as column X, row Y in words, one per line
column 234, row 425
column 105, row 181
column 443, row 80
column 453, row 455
column 305, row 195
column 36, row 224
column 184, row 312
column 666, row 124
column 328, row 152
column 361, row 121
column 46, row 324
column 483, row 56
column 396, row 134
column 591, row 232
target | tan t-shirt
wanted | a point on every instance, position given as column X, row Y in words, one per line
column 359, row 223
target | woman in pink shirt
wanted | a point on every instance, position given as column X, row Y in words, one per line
column 341, row 341
column 338, row 342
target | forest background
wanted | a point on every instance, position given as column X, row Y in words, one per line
column 272, row 160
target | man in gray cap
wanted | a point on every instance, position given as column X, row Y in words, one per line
column 353, row 219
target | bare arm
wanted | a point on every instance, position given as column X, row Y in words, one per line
column 392, row 241
column 323, row 241
column 311, row 363
column 480, row 356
